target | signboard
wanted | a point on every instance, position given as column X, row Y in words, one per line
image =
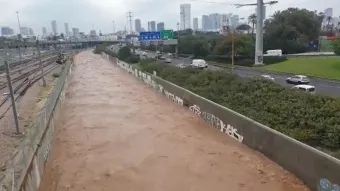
column 145, row 36
column 158, row 42
column 167, row 34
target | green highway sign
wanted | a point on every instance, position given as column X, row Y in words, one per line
column 167, row 34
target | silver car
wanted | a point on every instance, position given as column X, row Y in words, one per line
column 298, row 79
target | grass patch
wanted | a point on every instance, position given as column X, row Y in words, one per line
column 323, row 67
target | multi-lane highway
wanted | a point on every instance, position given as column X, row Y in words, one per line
column 323, row 87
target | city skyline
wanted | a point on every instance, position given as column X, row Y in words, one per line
column 36, row 16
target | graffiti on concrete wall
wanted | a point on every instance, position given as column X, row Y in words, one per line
column 217, row 123
column 208, row 117
column 173, row 98
column 326, row 185
column 195, row 109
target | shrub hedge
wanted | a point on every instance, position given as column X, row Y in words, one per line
column 245, row 61
column 312, row 119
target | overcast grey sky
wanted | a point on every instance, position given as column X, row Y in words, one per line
column 100, row 13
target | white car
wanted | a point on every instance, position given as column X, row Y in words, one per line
column 298, row 79
column 180, row 66
column 168, row 60
column 198, row 63
column 268, row 77
column 305, row 88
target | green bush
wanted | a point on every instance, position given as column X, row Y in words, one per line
column 314, row 120
column 336, row 46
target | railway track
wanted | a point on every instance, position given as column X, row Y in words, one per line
column 23, row 77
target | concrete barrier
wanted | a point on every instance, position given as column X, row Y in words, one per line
column 319, row 171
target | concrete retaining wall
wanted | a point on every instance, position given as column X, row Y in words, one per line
column 316, row 169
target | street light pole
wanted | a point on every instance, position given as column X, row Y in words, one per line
column 114, row 28
column 176, row 51
column 19, row 38
column 259, row 34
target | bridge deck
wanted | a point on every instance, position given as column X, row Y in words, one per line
column 118, row 134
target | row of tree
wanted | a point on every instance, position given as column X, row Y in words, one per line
column 292, row 30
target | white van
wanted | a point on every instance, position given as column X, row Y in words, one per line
column 198, row 63
column 277, row 52
column 305, row 88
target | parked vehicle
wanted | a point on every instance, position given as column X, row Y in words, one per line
column 198, row 63
column 298, row 79
column 305, row 88
column 268, row 77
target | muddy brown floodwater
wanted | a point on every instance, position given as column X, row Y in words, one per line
column 115, row 133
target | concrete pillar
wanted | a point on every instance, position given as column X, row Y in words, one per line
column 259, row 34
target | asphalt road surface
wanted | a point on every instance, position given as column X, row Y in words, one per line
column 323, row 87
column 116, row 133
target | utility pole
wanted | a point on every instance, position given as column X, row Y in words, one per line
column 232, row 50
column 9, row 81
column 130, row 21
column 259, row 33
column 114, row 28
column 41, row 64
column 19, row 38
column 176, row 50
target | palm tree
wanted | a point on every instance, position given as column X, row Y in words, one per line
column 252, row 20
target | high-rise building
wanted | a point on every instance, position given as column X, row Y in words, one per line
column 205, row 22
column 75, row 32
column 67, row 32
column 44, row 31
column 214, row 21
column 152, row 26
column 6, row 31
column 329, row 12
column 185, row 15
column 31, row 32
column 93, row 33
column 26, row 31
column 195, row 24
column 160, row 26
column 225, row 22
column 54, row 27
column 234, row 21
column 138, row 25
column 264, row 12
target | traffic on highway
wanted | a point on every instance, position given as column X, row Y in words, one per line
column 319, row 86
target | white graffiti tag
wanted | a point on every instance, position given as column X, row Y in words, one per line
column 195, row 109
